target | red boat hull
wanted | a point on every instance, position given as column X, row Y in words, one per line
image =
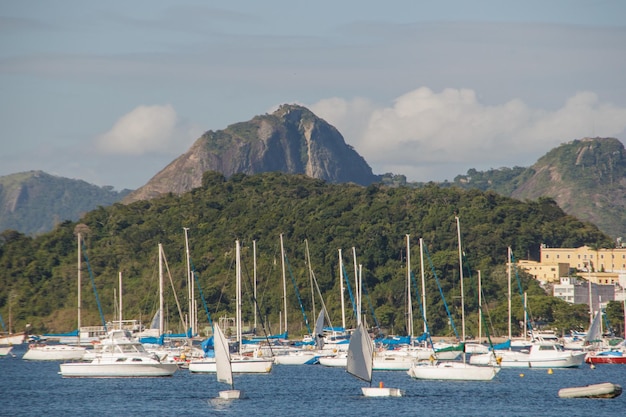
column 606, row 359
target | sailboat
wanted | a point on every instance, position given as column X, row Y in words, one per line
column 223, row 366
column 360, row 357
column 360, row 364
column 454, row 371
column 238, row 363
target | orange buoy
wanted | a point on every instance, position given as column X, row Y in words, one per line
column 380, row 384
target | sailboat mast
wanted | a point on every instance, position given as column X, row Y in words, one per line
column 79, row 282
column 190, row 285
column 357, row 287
column 590, row 293
column 238, row 296
column 308, row 260
column 360, row 292
column 509, row 292
column 458, row 229
column 254, row 275
column 161, row 302
column 480, row 311
column 423, row 283
column 409, row 304
column 120, row 284
column 341, row 290
column 282, row 257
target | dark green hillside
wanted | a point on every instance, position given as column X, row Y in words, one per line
column 39, row 274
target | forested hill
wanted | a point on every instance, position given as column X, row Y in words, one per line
column 39, row 274
column 586, row 177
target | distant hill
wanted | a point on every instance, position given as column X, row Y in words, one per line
column 291, row 140
column 34, row 202
column 586, row 177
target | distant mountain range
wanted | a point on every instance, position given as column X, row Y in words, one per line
column 586, row 177
column 34, row 202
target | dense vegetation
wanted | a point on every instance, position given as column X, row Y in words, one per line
column 39, row 281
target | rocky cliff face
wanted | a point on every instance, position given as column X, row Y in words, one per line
column 291, row 140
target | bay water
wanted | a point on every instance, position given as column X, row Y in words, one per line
column 36, row 389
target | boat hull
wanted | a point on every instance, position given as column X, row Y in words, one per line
column 247, row 365
column 381, row 392
column 392, row 363
column 113, row 370
column 54, row 353
column 12, row 339
column 451, row 371
column 5, row 350
column 535, row 359
column 232, row 394
column 334, row 361
column 603, row 390
column 605, row 358
column 297, row 359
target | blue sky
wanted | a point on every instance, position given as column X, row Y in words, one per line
column 111, row 92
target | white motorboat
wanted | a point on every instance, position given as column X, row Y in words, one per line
column 541, row 355
column 43, row 352
column 120, row 356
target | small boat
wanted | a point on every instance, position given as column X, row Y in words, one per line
column 360, row 363
column 606, row 356
column 603, row 390
column 224, row 370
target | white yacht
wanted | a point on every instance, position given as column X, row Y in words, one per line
column 119, row 356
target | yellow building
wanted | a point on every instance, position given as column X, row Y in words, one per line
column 548, row 272
column 600, row 260
column 602, row 266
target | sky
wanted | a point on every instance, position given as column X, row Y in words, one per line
column 112, row 92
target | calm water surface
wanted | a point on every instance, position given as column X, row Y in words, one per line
column 36, row 389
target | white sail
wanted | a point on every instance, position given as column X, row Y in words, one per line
column 360, row 353
column 594, row 334
column 222, row 357
column 319, row 330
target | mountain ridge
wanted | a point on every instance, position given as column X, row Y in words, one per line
column 291, row 140
column 586, row 177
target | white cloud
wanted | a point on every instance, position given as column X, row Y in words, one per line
column 434, row 136
column 145, row 130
